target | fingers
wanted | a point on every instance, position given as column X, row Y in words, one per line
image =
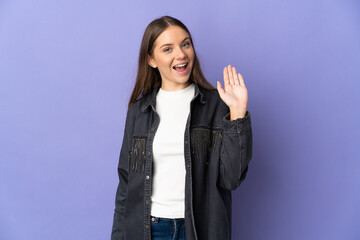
column 236, row 81
column 226, row 78
column 242, row 83
column 220, row 89
column 231, row 75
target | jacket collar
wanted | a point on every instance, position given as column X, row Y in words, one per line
column 150, row 99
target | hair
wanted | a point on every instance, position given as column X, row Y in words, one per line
column 149, row 78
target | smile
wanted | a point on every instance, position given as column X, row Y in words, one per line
column 181, row 68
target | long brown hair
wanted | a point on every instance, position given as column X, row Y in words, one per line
column 149, row 78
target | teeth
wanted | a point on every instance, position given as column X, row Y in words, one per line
column 181, row 65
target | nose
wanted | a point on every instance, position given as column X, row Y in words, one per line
column 180, row 54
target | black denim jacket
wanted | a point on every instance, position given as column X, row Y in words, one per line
column 217, row 152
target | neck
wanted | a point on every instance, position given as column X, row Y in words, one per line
column 175, row 87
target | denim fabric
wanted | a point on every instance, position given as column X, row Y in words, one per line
column 217, row 152
column 167, row 229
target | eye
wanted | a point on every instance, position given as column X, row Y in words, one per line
column 187, row 43
column 165, row 50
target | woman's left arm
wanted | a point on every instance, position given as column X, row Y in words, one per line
column 236, row 150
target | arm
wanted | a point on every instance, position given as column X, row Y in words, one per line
column 236, row 151
column 120, row 199
column 236, row 148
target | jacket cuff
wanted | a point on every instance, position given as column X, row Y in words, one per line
column 236, row 125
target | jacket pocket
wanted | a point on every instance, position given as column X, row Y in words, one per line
column 203, row 141
column 137, row 155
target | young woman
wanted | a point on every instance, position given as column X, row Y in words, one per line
column 186, row 144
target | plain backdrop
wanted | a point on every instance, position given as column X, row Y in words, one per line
column 67, row 69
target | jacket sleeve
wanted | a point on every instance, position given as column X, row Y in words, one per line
column 121, row 193
column 236, row 151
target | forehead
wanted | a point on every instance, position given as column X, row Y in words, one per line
column 171, row 35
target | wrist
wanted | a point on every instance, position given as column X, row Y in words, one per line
column 235, row 114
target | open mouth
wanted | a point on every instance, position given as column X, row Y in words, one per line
column 181, row 67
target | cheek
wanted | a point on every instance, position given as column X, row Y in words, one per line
column 164, row 66
column 165, row 62
column 191, row 54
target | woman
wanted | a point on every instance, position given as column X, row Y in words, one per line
column 186, row 145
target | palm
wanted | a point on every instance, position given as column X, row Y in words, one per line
column 234, row 94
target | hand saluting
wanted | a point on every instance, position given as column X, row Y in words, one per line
column 234, row 94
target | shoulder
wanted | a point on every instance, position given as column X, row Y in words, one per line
column 212, row 98
column 135, row 106
column 209, row 93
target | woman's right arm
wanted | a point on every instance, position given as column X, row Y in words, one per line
column 120, row 199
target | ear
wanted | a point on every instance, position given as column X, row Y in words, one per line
column 151, row 62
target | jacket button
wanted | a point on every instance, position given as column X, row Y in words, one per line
column 147, row 226
column 152, row 129
column 186, row 142
column 147, row 177
column 147, row 202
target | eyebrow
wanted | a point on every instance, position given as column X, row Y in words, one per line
column 169, row 44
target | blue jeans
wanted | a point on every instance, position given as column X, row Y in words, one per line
column 167, row 229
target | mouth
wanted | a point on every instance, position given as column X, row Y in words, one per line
column 181, row 68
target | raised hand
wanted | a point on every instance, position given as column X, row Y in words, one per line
column 234, row 94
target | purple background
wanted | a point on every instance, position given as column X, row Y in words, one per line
column 67, row 69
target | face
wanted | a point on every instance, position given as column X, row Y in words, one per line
column 171, row 49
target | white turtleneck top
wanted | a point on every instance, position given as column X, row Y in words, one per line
column 168, row 186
